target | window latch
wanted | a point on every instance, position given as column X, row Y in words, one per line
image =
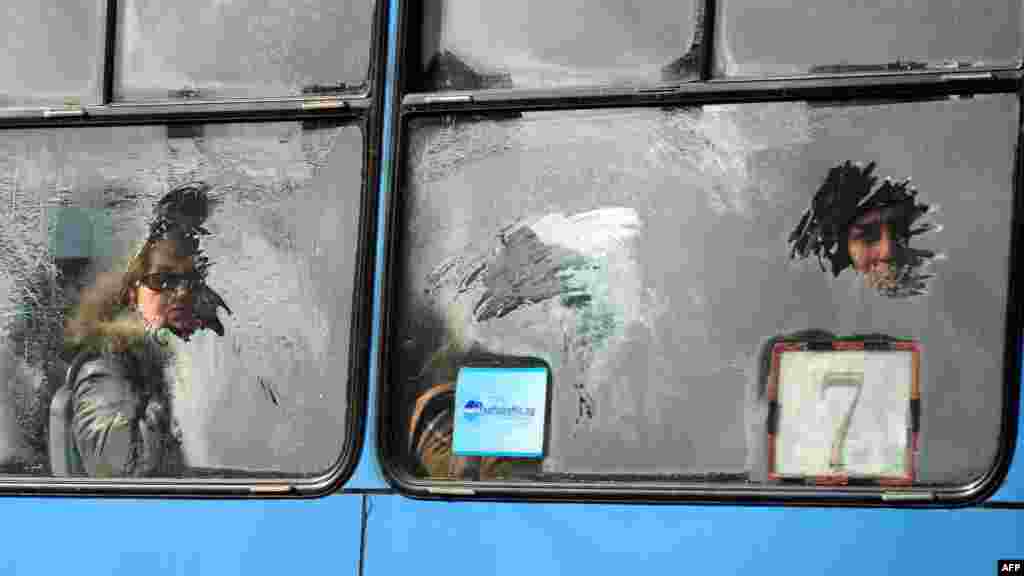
column 42, row 112
column 447, row 98
column 325, row 103
column 69, row 112
column 964, row 76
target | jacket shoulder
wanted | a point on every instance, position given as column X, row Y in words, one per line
column 106, row 378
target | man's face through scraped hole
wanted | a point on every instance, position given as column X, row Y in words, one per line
column 872, row 245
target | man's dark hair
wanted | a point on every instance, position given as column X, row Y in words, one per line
column 850, row 191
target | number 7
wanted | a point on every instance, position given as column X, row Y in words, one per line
column 842, row 380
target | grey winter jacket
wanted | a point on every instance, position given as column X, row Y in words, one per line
column 121, row 417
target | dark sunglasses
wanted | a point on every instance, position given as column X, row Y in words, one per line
column 169, row 281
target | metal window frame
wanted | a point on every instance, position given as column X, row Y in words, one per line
column 859, row 88
column 364, row 110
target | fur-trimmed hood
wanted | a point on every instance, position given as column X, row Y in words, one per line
column 102, row 322
column 104, row 325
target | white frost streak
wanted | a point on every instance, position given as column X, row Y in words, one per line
column 605, row 235
column 713, row 149
column 593, row 234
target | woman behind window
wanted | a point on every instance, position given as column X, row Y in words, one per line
column 124, row 332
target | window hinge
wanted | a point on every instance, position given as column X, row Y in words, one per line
column 271, row 489
column 68, row 112
column 450, row 491
column 325, row 103
column 907, row 496
column 40, row 112
column 964, row 76
column 447, row 98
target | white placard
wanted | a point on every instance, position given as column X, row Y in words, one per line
column 843, row 413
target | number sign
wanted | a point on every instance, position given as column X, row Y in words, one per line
column 843, row 411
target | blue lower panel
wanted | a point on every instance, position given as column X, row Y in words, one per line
column 405, row 537
column 80, row 537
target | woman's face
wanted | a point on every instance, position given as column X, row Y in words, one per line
column 172, row 305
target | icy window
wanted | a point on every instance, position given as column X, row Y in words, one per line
column 471, row 44
column 52, row 52
column 282, row 247
column 648, row 255
column 240, row 48
column 778, row 37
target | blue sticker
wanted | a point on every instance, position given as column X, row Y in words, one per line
column 500, row 412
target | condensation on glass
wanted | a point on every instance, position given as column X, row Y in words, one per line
column 200, row 49
column 470, row 44
column 644, row 255
column 282, row 246
column 785, row 37
column 52, row 53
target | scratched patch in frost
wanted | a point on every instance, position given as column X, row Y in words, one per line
column 569, row 263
